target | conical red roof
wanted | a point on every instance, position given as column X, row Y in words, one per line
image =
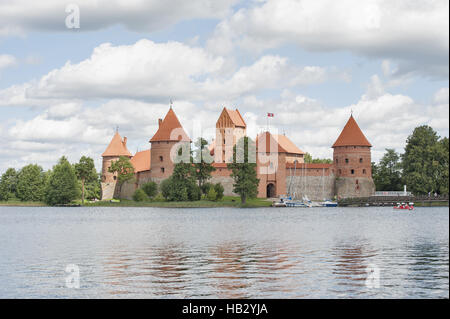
column 351, row 135
column 166, row 129
column 117, row 147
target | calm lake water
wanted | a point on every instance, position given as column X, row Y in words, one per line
column 224, row 252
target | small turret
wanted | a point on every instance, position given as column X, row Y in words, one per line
column 116, row 148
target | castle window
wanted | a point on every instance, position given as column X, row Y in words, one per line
column 364, row 171
column 340, row 172
column 346, row 160
column 357, row 182
column 361, row 160
column 337, row 161
column 162, row 169
column 114, row 177
column 352, row 171
column 160, row 158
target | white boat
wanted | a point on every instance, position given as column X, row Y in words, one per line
column 298, row 203
column 329, row 203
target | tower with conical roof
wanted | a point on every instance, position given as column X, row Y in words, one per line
column 352, row 162
column 169, row 145
column 116, row 148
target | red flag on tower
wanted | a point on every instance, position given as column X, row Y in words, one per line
column 269, row 114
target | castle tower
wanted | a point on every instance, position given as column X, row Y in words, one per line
column 230, row 127
column 352, row 162
column 166, row 142
column 116, row 148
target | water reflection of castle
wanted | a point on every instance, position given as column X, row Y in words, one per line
column 283, row 170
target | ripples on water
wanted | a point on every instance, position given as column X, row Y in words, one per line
column 224, row 252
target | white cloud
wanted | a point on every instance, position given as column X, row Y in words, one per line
column 7, row 60
column 413, row 34
column 17, row 17
column 160, row 71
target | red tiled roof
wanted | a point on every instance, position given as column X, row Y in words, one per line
column 351, row 135
column 117, row 147
column 236, row 117
column 288, row 145
column 281, row 143
column 170, row 129
column 141, row 161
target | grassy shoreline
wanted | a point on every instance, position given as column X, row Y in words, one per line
column 228, row 201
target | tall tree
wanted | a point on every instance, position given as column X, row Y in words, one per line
column 442, row 158
column 86, row 173
column 422, row 167
column 8, row 184
column 387, row 174
column 244, row 170
column 202, row 162
column 31, row 183
column 62, row 185
column 124, row 170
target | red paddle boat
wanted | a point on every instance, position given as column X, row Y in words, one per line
column 409, row 206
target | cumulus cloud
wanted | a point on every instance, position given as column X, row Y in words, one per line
column 159, row 71
column 17, row 17
column 413, row 34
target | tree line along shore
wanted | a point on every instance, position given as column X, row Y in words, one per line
column 423, row 167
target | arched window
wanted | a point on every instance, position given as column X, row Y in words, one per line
column 162, row 169
column 337, row 161
column 352, row 171
column 361, row 160
column 364, row 171
column 346, row 160
column 161, row 159
column 339, row 172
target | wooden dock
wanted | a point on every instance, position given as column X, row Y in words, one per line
column 393, row 200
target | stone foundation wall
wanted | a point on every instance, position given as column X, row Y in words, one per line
column 108, row 190
column 354, row 187
column 227, row 183
column 315, row 187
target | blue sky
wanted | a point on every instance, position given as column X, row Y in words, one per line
column 309, row 62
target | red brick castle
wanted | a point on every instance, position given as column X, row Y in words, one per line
column 280, row 163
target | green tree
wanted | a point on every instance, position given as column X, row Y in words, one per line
column 308, row 159
column 181, row 186
column 243, row 169
column 31, row 183
column 62, row 185
column 202, row 162
column 441, row 161
column 124, row 170
column 8, row 184
column 424, row 161
column 94, row 188
column 86, row 173
column 212, row 195
column 139, row 195
column 387, row 174
column 150, row 188
column 219, row 191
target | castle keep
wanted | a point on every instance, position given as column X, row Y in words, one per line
column 281, row 168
